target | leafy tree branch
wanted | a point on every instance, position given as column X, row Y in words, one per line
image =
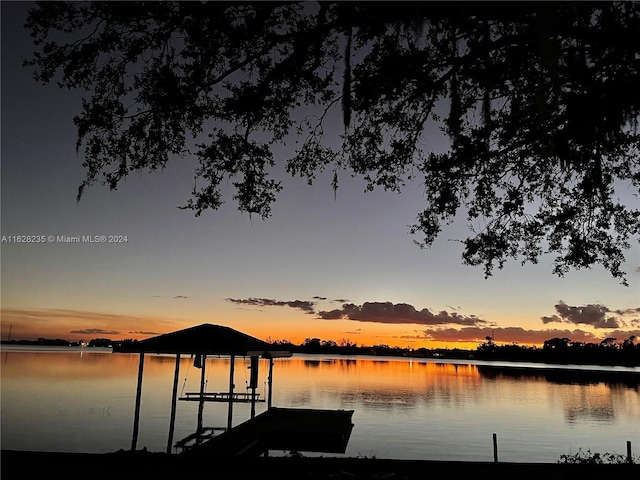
column 539, row 102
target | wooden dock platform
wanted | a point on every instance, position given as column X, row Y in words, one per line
column 288, row 429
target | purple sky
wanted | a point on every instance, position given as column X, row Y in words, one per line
column 347, row 259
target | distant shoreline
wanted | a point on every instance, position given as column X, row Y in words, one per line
column 560, row 351
column 558, row 372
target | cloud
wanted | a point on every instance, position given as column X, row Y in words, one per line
column 598, row 316
column 399, row 313
column 60, row 323
column 620, row 335
column 95, row 331
column 175, row 297
column 332, row 315
column 589, row 315
column 376, row 312
column 141, row 332
column 304, row 305
column 551, row 319
column 357, row 331
column 507, row 335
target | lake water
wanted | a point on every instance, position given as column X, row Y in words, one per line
column 82, row 400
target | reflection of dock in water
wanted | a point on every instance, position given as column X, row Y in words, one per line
column 289, row 429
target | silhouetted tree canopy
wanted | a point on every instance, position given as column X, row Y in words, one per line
column 539, row 101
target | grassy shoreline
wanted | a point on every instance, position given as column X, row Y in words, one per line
column 159, row 466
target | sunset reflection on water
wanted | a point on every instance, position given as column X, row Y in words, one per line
column 84, row 401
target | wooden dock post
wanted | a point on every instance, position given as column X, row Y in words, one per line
column 253, row 383
column 201, row 402
column 231, row 385
column 270, row 383
column 174, row 400
column 136, row 418
column 495, row 448
column 629, row 456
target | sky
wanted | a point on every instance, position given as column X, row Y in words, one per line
column 335, row 267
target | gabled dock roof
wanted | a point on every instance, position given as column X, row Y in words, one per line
column 205, row 339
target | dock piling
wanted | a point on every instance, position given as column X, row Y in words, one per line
column 231, row 386
column 174, row 398
column 136, row 418
column 495, row 448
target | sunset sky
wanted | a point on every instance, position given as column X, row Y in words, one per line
column 333, row 268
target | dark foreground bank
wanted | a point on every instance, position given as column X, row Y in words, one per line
column 159, row 466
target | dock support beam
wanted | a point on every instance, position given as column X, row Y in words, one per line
column 270, row 383
column 495, row 448
column 173, row 403
column 232, row 362
column 255, row 361
column 136, row 418
column 201, row 402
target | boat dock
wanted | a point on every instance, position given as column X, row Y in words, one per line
column 288, row 429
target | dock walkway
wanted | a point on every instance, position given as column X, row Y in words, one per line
column 288, row 429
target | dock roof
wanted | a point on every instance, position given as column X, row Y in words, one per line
column 205, row 339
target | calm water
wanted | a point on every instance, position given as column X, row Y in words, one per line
column 83, row 401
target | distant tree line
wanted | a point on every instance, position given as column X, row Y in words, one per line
column 45, row 342
column 555, row 350
column 346, row 347
column 59, row 342
column 562, row 350
column 609, row 351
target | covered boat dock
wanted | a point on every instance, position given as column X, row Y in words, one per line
column 275, row 429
